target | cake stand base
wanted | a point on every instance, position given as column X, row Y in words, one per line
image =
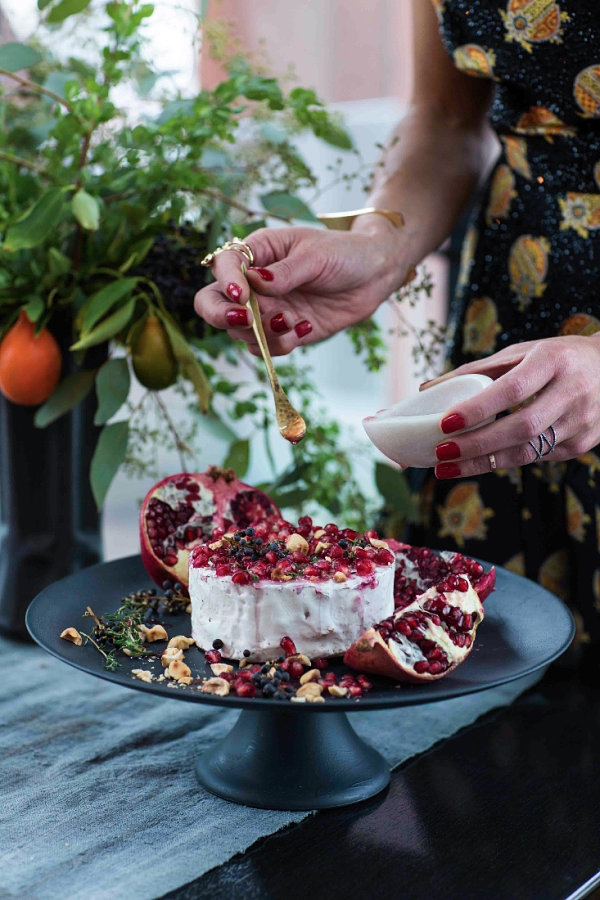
column 277, row 759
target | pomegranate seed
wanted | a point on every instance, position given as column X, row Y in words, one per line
column 295, row 668
column 364, row 682
column 223, row 569
column 246, row 689
column 364, row 567
column 240, row 578
column 354, row 690
column 331, row 528
column 243, row 675
column 212, row 656
column 170, row 559
column 320, row 663
column 288, row 646
column 421, row 666
column 435, row 668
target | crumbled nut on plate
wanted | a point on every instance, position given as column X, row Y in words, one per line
column 301, row 658
column 219, row 668
column 72, row 635
column 156, row 633
column 142, row 674
column 171, row 654
column 311, row 675
column 178, row 669
column 336, row 691
column 312, row 689
column 181, row 642
column 215, row 686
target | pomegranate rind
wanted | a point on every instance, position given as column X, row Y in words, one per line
column 226, row 502
column 371, row 653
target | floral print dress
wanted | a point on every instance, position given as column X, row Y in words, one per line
column 530, row 269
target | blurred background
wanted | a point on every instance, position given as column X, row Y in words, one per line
column 357, row 57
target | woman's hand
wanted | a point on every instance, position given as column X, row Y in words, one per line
column 560, row 377
column 309, row 283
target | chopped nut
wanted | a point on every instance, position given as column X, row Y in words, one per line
column 156, row 633
column 219, row 668
column 321, row 546
column 188, row 609
column 311, row 675
column 297, row 699
column 215, row 545
column 375, row 542
column 280, row 575
column 160, row 677
column 181, row 642
column 315, row 698
column 170, row 655
column 301, row 658
column 244, row 661
column 336, row 691
column 172, row 684
column 319, row 533
column 186, row 680
column 215, row 686
column 339, row 577
column 312, row 689
column 178, row 669
column 272, row 671
column 71, row 634
column 127, row 652
column 297, row 542
column 142, row 674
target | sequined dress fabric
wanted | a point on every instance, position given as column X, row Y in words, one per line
column 530, row 269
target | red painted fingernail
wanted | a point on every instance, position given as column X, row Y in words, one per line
column 237, row 317
column 453, row 422
column 448, row 450
column 303, row 328
column 233, row 291
column 264, row 273
column 278, row 324
column 447, row 470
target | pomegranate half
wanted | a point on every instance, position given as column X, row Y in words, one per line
column 427, row 639
column 183, row 510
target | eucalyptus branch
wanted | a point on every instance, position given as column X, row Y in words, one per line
column 181, row 446
column 25, row 164
column 36, row 88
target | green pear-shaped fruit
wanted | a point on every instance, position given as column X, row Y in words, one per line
column 153, row 361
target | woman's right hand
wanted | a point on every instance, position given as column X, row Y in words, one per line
column 309, row 283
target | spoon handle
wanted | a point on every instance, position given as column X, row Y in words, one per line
column 289, row 421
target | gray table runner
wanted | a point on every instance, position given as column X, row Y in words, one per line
column 98, row 797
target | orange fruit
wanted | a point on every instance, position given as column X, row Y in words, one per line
column 30, row 364
column 153, row 361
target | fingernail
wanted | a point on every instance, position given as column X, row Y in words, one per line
column 233, row 291
column 447, row 470
column 453, row 422
column 264, row 273
column 278, row 324
column 303, row 328
column 448, row 450
column 237, row 317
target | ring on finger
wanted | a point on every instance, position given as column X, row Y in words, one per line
column 492, row 461
column 545, row 444
column 234, row 244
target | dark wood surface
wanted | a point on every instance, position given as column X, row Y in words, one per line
column 508, row 809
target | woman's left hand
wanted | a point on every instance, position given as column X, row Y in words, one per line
column 551, row 387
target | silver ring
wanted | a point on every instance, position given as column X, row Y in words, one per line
column 543, row 443
column 492, row 461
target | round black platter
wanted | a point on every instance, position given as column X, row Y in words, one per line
column 323, row 762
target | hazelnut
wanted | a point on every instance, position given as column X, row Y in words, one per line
column 142, row 674
column 297, row 542
column 171, row 654
column 339, row 577
column 336, row 691
column 181, row 642
column 178, row 669
column 312, row 689
column 311, row 675
column 156, row 633
column 215, row 686
column 71, row 634
column 219, row 668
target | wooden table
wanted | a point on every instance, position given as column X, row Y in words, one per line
column 508, row 809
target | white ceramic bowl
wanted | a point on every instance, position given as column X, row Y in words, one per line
column 409, row 431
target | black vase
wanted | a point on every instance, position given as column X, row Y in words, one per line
column 49, row 524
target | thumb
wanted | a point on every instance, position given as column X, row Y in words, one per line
column 291, row 263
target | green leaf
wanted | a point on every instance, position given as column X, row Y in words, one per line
column 34, row 309
column 188, row 363
column 66, row 8
column 279, row 203
column 394, row 489
column 69, row 394
column 112, row 389
column 37, row 224
column 290, row 498
column 214, row 425
column 99, row 303
column 15, row 56
column 238, row 457
column 109, row 454
column 86, row 210
column 107, row 328
column 58, row 263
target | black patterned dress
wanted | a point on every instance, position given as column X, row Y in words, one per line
column 530, row 269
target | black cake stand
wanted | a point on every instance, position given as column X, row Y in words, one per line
column 300, row 756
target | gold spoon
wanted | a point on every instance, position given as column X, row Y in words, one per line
column 289, row 421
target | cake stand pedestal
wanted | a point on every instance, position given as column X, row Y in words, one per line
column 275, row 759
